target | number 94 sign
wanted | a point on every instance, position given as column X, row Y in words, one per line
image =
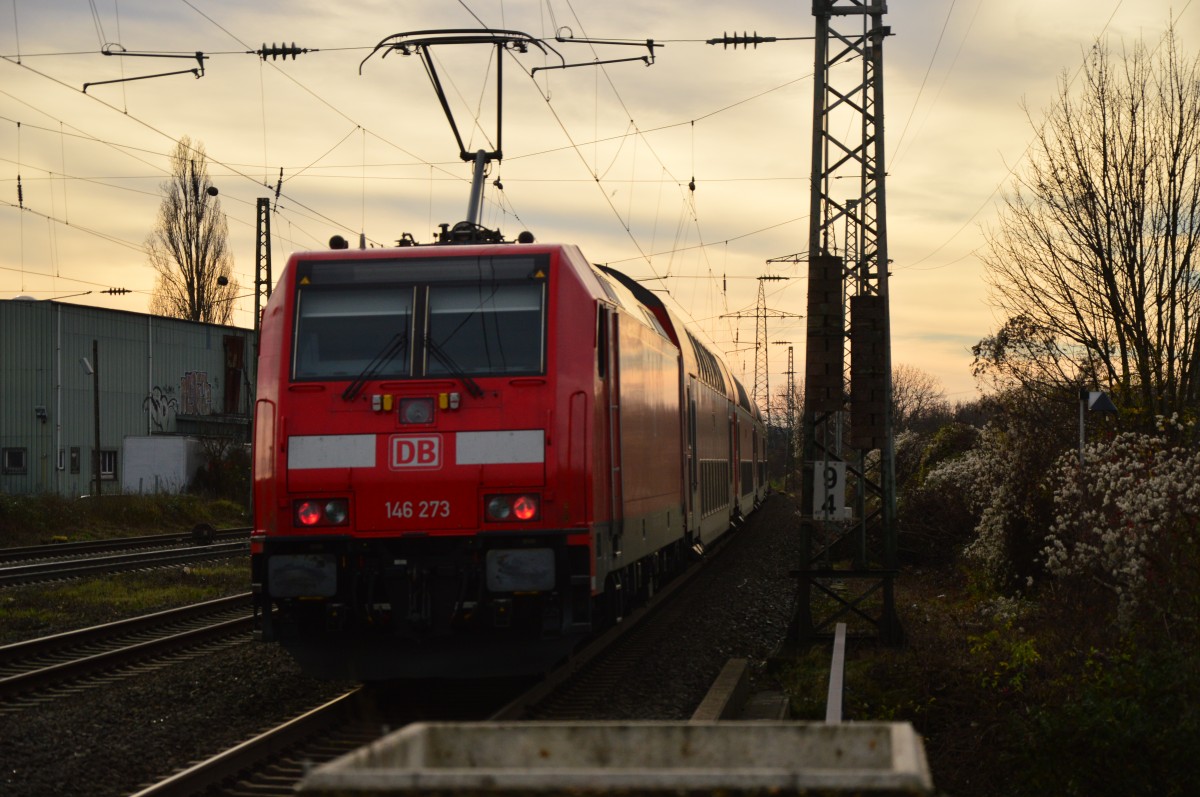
column 829, row 491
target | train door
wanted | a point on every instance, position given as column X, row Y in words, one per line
column 614, row 486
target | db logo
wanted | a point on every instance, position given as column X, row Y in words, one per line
column 416, row 452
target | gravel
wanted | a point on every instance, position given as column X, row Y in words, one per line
column 743, row 613
column 113, row 739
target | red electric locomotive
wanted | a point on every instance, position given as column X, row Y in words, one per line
column 468, row 457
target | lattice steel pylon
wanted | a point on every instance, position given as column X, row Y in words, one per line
column 262, row 263
column 849, row 564
column 789, row 459
column 762, row 371
column 761, row 387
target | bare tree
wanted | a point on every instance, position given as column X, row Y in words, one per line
column 918, row 399
column 189, row 246
column 1094, row 261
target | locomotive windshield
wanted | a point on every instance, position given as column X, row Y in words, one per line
column 413, row 318
column 340, row 333
column 485, row 329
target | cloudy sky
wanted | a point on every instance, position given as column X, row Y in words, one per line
column 598, row 156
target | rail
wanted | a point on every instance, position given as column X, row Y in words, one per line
column 38, row 665
column 63, row 569
column 202, row 534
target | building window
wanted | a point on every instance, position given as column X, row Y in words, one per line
column 108, row 465
column 14, row 461
column 74, row 459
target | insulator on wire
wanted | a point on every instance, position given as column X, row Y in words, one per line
column 745, row 40
column 20, row 194
column 281, row 50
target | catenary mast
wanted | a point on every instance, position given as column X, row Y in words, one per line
column 849, row 552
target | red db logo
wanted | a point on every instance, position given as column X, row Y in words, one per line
column 416, row 452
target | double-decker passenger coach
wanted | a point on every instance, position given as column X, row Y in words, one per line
column 468, row 457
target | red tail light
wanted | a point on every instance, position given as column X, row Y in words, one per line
column 525, row 507
column 322, row 512
column 308, row 513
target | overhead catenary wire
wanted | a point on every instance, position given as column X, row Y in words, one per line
column 312, row 213
column 594, row 168
column 234, row 169
column 689, row 200
column 932, row 58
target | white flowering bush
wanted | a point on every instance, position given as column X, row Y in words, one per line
column 993, row 482
column 1127, row 522
column 933, row 527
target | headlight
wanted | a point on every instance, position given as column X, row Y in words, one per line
column 416, row 410
column 520, row 507
column 499, row 508
column 336, row 512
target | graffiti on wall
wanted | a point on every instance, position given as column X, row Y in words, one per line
column 160, row 405
column 195, row 394
column 195, row 398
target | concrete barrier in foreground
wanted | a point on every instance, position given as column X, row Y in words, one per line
column 650, row 758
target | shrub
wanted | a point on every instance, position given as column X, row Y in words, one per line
column 1126, row 724
column 1127, row 522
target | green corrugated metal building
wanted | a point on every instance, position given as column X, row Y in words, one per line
column 155, row 376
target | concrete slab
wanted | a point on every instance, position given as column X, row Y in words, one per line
column 727, row 696
column 645, row 758
column 765, row 706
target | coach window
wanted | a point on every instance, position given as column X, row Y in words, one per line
column 495, row 328
column 340, row 333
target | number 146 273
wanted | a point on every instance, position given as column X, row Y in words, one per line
column 406, row 510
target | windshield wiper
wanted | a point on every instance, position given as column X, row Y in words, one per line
column 385, row 355
column 455, row 370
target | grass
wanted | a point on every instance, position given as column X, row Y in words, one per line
column 45, row 519
column 35, row 611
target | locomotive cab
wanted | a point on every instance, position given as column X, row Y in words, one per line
column 403, row 492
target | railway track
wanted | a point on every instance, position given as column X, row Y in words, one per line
column 201, row 534
column 63, row 561
column 275, row 762
column 47, row 668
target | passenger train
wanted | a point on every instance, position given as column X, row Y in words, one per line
column 470, row 456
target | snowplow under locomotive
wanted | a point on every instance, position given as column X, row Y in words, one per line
column 469, row 457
